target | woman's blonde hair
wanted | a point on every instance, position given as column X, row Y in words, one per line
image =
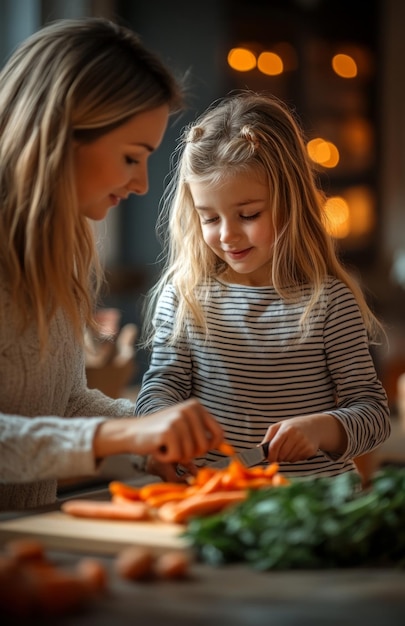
column 73, row 80
column 257, row 134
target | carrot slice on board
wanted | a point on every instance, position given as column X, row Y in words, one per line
column 154, row 489
column 180, row 512
column 106, row 510
column 118, row 488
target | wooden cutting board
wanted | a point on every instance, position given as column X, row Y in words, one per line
column 59, row 531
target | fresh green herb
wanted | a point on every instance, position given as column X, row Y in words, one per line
column 311, row 523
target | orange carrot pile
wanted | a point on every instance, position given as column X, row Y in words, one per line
column 210, row 491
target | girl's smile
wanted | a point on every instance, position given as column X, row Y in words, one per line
column 236, row 223
column 237, row 255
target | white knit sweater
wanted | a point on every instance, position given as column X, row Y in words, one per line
column 48, row 416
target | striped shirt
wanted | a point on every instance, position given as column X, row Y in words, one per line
column 252, row 371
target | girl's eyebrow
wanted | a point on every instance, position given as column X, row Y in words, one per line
column 243, row 203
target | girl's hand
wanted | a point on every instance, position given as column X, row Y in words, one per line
column 299, row 438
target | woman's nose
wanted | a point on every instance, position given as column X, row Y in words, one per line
column 139, row 184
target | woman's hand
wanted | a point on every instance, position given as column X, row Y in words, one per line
column 174, row 435
column 299, row 438
column 170, row 472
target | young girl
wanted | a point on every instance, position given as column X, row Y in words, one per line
column 255, row 316
column 82, row 106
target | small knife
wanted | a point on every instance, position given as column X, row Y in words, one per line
column 249, row 457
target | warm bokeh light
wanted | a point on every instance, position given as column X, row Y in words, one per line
column 323, row 152
column 357, row 135
column 241, row 59
column 362, row 210
column 337, row 217
column 344, row 66
column 270, row 63
column 361, row 56
column 351, row 214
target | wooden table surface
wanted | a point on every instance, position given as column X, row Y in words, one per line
column 239, row 596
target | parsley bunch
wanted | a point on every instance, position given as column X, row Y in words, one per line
column 311, row 523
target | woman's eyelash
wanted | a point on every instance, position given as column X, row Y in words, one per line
column 130, row 160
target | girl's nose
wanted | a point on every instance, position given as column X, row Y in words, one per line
column 228, row 233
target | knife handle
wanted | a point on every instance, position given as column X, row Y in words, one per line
column 265, row 448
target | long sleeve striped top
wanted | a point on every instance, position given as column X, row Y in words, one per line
column 252, row 371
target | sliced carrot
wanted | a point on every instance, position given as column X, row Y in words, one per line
column 237, row 469
column 122, row 500
column 161, row 498
column 126, row 491
column 279, row 480
column 208, row 491
column 180, row 512
column 272, row 469
column 213, row 484
column 154, row 489
column 106, row 510
column 203, row 475
column 226, row 448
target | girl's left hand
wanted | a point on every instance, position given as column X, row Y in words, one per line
column 299, row 438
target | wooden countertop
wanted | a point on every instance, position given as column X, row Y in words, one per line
column 239, row 595
column 242, row 597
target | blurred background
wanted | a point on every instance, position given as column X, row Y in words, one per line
column 338, row 63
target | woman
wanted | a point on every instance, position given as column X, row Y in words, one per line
column 82, row 106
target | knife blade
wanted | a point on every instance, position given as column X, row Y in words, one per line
column 250, row 457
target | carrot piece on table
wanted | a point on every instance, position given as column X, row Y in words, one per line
column 170, row 496
column 271, row 469
column 106, row 510
column 203, row 475
column 121, row 489
column 154, row 489
column 180, row 512
column 279, row 480
column 213, row 484
column 237, row 469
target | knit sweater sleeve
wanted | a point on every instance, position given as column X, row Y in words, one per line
column 47, row 447
column 48, row 414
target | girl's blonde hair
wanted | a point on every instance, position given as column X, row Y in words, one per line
column 72, row 81
column 250, row 133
